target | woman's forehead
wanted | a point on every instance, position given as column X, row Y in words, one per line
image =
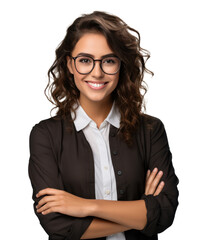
column 94, row 44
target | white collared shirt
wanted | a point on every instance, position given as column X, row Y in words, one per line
column 98, row 138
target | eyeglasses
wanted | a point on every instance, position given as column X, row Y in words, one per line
column 85, row 64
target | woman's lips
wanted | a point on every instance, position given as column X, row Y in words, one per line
column 96, row 86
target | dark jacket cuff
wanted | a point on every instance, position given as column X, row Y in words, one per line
column 153, row 214
column 75, row 231
column 79, row 227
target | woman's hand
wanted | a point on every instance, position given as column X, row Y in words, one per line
column 62, row 202
column 152, row 182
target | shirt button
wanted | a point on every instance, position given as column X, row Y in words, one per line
column 121, row 191
column 119, row 172
column 107, row 192
column 106, row 168
column 115, row 152
column 112, row 133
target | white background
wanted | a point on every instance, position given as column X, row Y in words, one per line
column 31, row 31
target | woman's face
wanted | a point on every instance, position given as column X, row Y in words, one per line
column 95, row 86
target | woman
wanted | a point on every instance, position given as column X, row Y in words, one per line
column 101, row 168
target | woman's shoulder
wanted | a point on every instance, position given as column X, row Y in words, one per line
column 47, row 132
column 49, row 123
column 53, row 126
column 151, row 131
column 151, row 123
column 150, row 119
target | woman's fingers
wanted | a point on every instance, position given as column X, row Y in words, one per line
column 155, row 182
column 47, row 191
column 152, row 181
column 159, row 188
column 147, row 177
column 55, row 200
column 50, row 206
column 148, row 174
column 150, row 178
column 49, row 202
column 44, row 200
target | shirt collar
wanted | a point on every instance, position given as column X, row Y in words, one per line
column 114, row 116
column 82, row 119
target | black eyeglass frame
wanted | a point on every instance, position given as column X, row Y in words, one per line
column 94, row 60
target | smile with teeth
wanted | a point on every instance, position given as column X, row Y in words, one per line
column 96, row 85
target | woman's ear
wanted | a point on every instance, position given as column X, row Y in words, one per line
column 69, row 65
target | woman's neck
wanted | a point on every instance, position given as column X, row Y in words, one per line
column 97, row 111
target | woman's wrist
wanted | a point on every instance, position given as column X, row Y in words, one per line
column 91, row 207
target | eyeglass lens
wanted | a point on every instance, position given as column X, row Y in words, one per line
column 85, row 65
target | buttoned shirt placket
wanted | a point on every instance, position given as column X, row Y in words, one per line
column 98, row 138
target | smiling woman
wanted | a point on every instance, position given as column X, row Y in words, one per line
column 118, row 39
column 94, row 84
column 101, row 168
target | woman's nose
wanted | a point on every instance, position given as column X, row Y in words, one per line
column 97, row 71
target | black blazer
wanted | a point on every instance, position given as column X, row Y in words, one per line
column 63, row 159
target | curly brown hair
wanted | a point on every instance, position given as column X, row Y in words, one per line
column 125, row 43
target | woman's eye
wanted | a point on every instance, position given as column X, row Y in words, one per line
column 84, row 60
column 109, row 61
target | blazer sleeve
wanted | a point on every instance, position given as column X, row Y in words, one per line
column 160, row 209
column 44, row 173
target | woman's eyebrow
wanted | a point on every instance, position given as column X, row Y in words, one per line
column 90, row 55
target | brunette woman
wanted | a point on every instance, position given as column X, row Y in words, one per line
column 101, row 168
